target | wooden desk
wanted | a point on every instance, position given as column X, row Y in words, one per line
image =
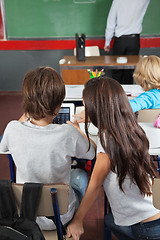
column 75, row 72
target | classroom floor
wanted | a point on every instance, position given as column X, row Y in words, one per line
column 10, row 108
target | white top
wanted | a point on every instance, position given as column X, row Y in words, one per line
column 128, row 207
column 43, row 154
column 125, row 17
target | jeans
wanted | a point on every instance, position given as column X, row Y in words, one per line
column 139, row 231
column 147, row 230
column 79, row 182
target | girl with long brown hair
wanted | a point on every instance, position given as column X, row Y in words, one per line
column 123, row 165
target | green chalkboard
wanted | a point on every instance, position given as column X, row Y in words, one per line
column 151, row 21
column 64, row 18
column 55, row 18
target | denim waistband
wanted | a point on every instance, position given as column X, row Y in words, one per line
column 151, row 223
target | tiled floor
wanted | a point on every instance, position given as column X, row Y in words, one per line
column 10, row 108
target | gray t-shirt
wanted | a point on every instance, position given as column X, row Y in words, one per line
column 128, row 207
column 43, row 154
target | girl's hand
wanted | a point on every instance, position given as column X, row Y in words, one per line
column 80, row 117
column 76, row 125
column 75, row 229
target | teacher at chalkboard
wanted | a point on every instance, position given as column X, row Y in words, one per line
column 124, row 22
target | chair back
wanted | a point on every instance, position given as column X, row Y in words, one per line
column 90, row 51
column 148, row 115
column 156, row 193
column 45, row 205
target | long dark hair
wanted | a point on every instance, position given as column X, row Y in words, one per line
column 108, row 108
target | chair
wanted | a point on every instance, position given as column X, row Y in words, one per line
column 90, row 51
column 156, row 193
column 148, row 115
column 54, row 201
column 12, row 168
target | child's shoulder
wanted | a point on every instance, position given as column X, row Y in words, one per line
column 66, row 128
column 69, row 127
column 154, row 90
column 151, row 92
column 12, row 123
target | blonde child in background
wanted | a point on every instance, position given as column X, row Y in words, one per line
column 147, row 75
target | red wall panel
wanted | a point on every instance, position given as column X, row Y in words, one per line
column 65, row 44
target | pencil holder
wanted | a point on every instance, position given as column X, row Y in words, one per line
column 95, row 73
